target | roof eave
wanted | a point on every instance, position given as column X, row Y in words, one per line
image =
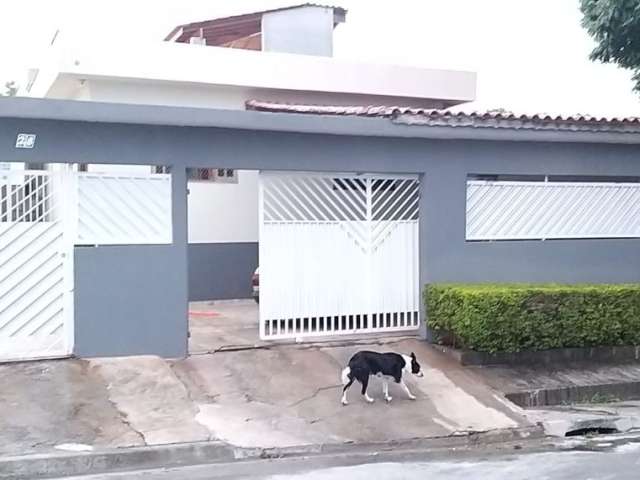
column 174, row 34
column 65, row 110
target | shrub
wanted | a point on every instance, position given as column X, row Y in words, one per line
column 515, row 317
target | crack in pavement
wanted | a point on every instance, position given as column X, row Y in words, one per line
column 313, row 395
column 184, row 379
column 126, row 422
column 230, row 349
column 380, row 341
column 121, row 414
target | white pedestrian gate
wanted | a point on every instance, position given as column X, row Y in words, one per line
column 338, row 254
column 36, row 272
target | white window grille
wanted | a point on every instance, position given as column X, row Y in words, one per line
column 552, row 210
column 124, row 209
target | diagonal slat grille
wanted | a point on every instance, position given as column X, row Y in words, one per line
column 552, row 210
column 124, row 209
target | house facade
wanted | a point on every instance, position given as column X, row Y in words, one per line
column 461, row 198
column 282, row 55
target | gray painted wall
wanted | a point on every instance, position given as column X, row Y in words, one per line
column 444, row 164
column 125, row 302
column 132, row 300
column 220, row 271
column 307, row 30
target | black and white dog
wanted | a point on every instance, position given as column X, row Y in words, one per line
column 386, row 365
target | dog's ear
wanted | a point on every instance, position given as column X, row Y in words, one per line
column 413, row 356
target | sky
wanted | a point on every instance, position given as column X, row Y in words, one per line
column 531, row 56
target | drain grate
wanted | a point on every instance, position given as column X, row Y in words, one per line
column 590, row 431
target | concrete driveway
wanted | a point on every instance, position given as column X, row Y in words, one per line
column 290, row 395
column 234, row 325
column 216, row 326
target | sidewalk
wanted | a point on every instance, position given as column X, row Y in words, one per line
column 269, row 398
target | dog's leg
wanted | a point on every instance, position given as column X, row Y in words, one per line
column 406, row 389
column 365, row 383
column 344, row 392
column 347, row 380
column 385, row 389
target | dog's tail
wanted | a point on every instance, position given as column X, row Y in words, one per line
column 345, row 375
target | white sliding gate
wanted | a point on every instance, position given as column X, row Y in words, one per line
column 338, row 254
column 36, row 272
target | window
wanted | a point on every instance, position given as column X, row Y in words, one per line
column 216, row 175
column 552, row 209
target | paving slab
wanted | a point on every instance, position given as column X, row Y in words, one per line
column 564, row 384
column 52, row 403
column 151, row 399
column 214, row 326
column 525, row 378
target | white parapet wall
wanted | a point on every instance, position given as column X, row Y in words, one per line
column 113, row 70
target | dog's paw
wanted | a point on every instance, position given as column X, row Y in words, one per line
column 412, row 397
column 369, row 399
column 388, row 399
column 344, row 403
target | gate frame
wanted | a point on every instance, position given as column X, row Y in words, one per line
column 69, row 211
column 415, row 315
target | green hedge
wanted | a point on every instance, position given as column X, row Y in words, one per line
column 513, row 317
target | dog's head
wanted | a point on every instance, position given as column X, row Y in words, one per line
column 414, row 366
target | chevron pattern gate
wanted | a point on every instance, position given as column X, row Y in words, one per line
column 338, row 254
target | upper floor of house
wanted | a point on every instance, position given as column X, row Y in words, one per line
column 283, row 55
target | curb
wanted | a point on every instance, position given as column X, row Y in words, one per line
column 580, row 394
column 55, row 464
column 600, row 355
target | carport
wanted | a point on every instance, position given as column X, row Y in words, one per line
column 339, row 257
column 133, row 298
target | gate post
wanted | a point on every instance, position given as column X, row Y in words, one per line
column 67, row 185
column 423, row 235
column 261, row 321
column 179, row 220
